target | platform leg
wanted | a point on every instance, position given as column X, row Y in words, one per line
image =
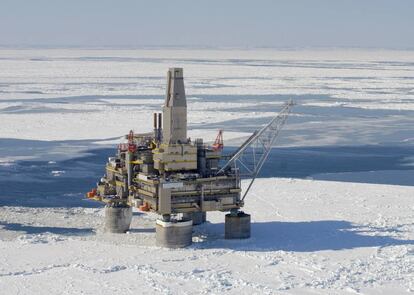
column 117, row 219
column 197, row 217
column 174, row 233
column 237, row 226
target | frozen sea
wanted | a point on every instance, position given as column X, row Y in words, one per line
column 63, row 110
column 331, row 212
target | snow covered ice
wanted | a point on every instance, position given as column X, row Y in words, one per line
column 332, row 213
column 307, row 237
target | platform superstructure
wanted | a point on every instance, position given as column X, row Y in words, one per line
column 166, row 172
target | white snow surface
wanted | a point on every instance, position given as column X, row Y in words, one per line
column 30, row 80
column 308, row 237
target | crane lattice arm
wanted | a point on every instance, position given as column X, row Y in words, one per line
column 252, row 154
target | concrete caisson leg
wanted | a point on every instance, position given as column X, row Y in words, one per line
column 197, row 217
column 237, row 226
column 117, row 219
column 174, row 234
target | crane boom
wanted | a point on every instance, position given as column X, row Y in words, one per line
column 253, row 153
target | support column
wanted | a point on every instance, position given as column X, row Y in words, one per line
column 197, row 217
column 237, row 226
column 174, row 233
column 117, row 218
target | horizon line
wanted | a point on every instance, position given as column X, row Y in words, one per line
column 197, row 47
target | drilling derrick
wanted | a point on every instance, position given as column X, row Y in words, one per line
column 181, row 180
column 176, row 152
column 175, row 109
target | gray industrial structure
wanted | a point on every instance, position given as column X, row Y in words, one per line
column 167, row 173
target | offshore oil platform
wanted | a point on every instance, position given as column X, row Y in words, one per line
column 166, row 172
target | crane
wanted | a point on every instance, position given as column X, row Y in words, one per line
column 252, row 154
column 218, row 143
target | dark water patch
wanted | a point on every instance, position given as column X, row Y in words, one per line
column 332, row 112
column 81, row 98
column 355, row 78
column 63, row 182
column 40, row 59
column 242, row 125
column 304, row 162
column 43, row 150
column 260, row 97
column 396, row 63
column 210, row 85
column 202, row 97
column 38, row 110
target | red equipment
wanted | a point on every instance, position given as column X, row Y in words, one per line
column 218, row 143
column 132, row 147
